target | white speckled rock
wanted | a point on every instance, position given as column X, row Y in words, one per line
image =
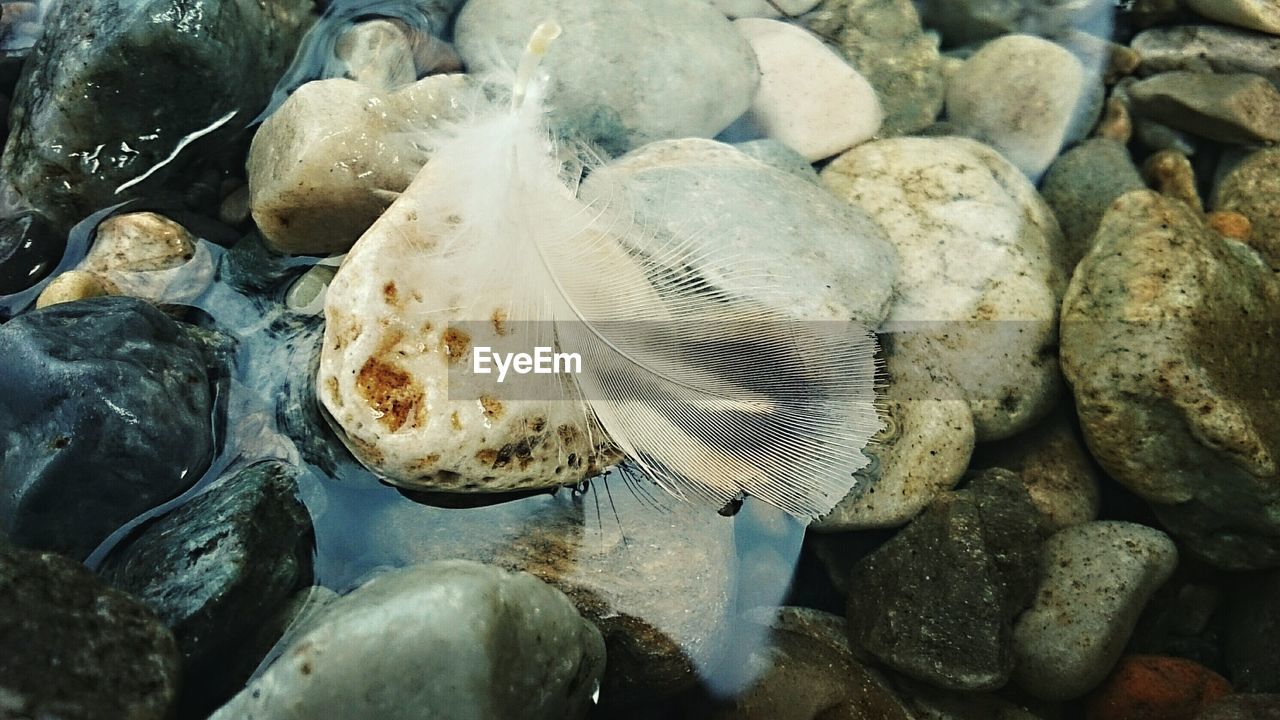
column 1026, row 97
column 329, row 161
column 762, row 9
column 1097, row 579
column 825, row 260
column 454, row 639
column 809, row 97
column 923, row 450
column 391, row 336
column 623, row 74
column 1261, row 15
column 982, row 275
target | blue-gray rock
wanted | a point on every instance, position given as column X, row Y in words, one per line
column 105, row 405
column 1081, row 184
column 30, row 248
column 1237, row 109
column 447, row 640
column 623, row 73
column 937, row 602
column 114, row 86
column 76, row 648
column 218, row 568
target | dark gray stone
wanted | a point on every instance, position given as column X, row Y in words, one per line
column 105, row 406
column 1252, row 647
column 217, row 569
column 937, row 602
column 113, row 87
column 1081, row 184
column 76, row 649
column 30, row 248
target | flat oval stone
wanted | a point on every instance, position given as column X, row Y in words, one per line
column 623, row 74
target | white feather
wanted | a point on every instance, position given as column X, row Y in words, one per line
column 712, row 395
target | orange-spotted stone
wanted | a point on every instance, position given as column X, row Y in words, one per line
column 1153, row 687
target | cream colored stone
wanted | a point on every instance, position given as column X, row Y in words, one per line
column 137, row 242
column 75, row 285
column 1261, row 15
column 809, row 98
column 981, row 270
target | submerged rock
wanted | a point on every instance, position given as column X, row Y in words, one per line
column 1026, row 97
column 623, row 74
column 1096, row 579
column 1081, row 184
column 981, row 269
column 883, row 40
column 937, row 602
column 67, row 157
column 217, row 569
column 1251, row 189
column 1251, row 641
column 1169, row 342
column 1208, row 48
column 30, row 249
column 1148, row 686
column 1253, row 14
column 1239, row 109
column 76, row 648
column 447, row 640
column 107, row 408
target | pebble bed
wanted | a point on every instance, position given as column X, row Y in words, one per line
column 231, row 487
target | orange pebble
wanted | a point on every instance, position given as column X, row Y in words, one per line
column 1153, row 687
column 1230, row 224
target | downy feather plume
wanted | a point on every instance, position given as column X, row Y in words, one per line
column 711, row 394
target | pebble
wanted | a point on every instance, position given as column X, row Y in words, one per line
column 823, row 259
column 1054, row 467
column 1148, row 687
column 1081, row 184
column 808, row 673
column 216, row 569
column 975, row 21
column 331, row 159
column 1156, row 136
column 659, row 578
column 1174, row 377
column 1231, row 224
column 779, row 156
column 1251, row 640
column 377, row 53
column 1096, row 579
column 30, row 249
column 105, row 401
column 452, row 639
column 76, row 648
column 1243, row 707
column 1250, row 189
column 1116, row 124
column 931, row 703
column 75, row 285
column 982, row 269
column 937, row 601
column 67, row 158
column 1262, row 15
column 1240, row 108
column 622, row 74
column 923, row 450
column 809, row 98
column 884, row 41
column 1169, row 173
column 1208, row 48
column 138, row 242
column 1026, row 97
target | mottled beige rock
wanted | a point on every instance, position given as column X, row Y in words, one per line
column 809, row 98
column 139, row 242
column 75, row 285
column 1261, row 15
column 1170, row 173
column 1026, row 97
column 1251, row 189
column 981, row 269
column 330, row 160
column 923, row 449
column 1054, row 466
column 1169, row 342
column 390, row 343
column 1096, row 579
